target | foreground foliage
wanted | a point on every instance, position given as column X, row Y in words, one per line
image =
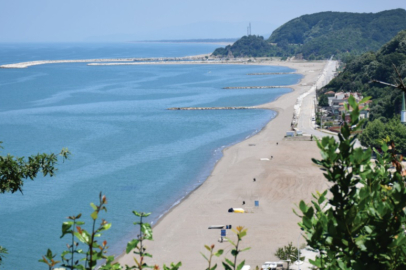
column 359, row 222
column 13, row 170
column 240, row 232
column 75, row 257
column 287, row 253
column 212, row 253
column 3, row 251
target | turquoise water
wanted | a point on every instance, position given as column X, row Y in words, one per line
column 123, row 140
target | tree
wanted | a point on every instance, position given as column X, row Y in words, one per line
column 287, row 253
column 3, row 251
column 373, row 133
column 323, row 101
column 376, row 131
column 360, row 223
column 13, row 170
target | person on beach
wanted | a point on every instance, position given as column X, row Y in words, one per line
column 243, row 202
column 255, row 179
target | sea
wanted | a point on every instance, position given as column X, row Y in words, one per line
column 124, row 142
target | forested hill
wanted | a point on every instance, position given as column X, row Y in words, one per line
column 359, row 72
column 384, row 120
column 320, row 35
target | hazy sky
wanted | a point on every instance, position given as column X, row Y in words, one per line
column 122, row 20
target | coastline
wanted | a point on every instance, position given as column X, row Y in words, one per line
column 182, row 231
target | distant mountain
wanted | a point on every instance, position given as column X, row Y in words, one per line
column 359, row 72
column 320, row 35
column 255, row 46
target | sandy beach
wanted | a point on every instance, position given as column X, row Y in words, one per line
column 281, row 182
column 283, row 171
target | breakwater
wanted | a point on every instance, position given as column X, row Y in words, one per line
column 210, row 108
column 254, row 87
column 101, row 61
column 272, row 73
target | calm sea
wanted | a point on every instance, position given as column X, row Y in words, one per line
column 124, row 142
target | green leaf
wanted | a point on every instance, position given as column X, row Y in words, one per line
column 248, row 248
column 204, row 256
column 316, row 263
column 106, row 226
column 229, row 240
column 219, row 252
column 94, row 215
column 66, row 228
column 93, row 206
column 226, row 266
column 307, row 222
column 229, row 262
column 147, row 231
column 137, row 214
column 302, row 206
column 131, row 245
column 241, row 265
column 365, row 99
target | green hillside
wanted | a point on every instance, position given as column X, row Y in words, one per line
column 361, row 70
column 320, row 35
column 387, row 101
column 254, row 46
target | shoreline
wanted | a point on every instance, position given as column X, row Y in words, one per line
column 283, row 106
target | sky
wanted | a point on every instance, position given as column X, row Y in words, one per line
column 132, row 20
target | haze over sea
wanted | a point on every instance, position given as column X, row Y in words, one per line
column 123, row 140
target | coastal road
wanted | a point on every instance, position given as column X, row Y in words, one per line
column 307, row 109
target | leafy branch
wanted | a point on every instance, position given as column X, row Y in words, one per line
column 212, row 253
column 240, row 232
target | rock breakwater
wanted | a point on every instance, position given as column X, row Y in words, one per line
column 272, row 73
column 254, row 87
column 210, row 108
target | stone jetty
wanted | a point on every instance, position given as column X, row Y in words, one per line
column 254, row 87
column 104, row 61
column 209, row 108
column 272, row 73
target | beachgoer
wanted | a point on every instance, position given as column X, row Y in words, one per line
column 255, row 179
column 243, row 202
column 277, row 143
column 271, row 157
